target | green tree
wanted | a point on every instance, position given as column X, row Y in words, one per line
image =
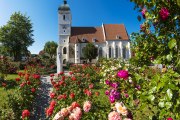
column 159, row 36
column 50, row 48
column 90, row 52
column 17, row 35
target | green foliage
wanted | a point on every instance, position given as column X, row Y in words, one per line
column 90, row 51
column 17, row 35
column 50, row 48
column 158, row 40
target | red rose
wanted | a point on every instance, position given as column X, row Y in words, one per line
column 60, row 82
column 63, row 78
column 60, row 97
column 53, row 103
column 61, row 73
column 52, row 95
column 73, row 78
column 22, row 84
column 28, row 82
column 49, row 111
column 20, row 74
column 36, row 76
column 4, row 84
column 33, row 90
column 17, row 79
column 72, row 95
column 25, row 114
column 70, row 73
column 75, row 104
column 51, row 75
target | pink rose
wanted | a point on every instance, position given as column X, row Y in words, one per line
column 87, row 106
column 143, row 12
column 169, row 118
column 164, row 13
column 25, row 114
column 114, row 116
column 123, row 74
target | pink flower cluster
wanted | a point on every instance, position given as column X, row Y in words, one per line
column 143, row 12
column 74, row 111
column 164, row 13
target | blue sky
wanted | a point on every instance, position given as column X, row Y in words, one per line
column 44, row 16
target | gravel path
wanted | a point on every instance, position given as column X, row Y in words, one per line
column 42, row 100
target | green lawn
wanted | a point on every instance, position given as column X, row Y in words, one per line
column 11, row 86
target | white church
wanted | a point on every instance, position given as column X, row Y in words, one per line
column 112, row 40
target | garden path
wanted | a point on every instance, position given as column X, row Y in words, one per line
column 42, row 99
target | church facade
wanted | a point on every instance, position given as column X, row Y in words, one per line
column 112, row 40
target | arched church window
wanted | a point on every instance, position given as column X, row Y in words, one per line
column 116, row 51
column 64, row 50
column 110, row 49
column 64, row 61
column 64, row 17
column 124, row 52
column 100, row 52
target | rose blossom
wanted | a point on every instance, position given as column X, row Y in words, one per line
column 169, row 118
column 143, row 12
column 123, row 74
column 75, row 104
column 121, row 108
column 72, row 95
column 164, row 13
column 107, row 92
column 53, row 103
column 64, row 112
column 18, row 79
column 87, row 106
column 107, row 82
column 91, row 86
column 33, row 90
column 114, row 116
column 52, row 95
column 49, row 111
column 112, row 98
column 58, row 116
column 25, row 114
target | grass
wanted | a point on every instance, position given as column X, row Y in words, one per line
column 10, row 88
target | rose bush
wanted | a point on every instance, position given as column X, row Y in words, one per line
column 146, row 92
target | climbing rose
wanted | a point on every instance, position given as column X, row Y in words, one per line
column 114, row 116
column 87, row 106
column 164, row 13
column 123, row 74
column 143, row 12
column 169, row 118
column 25, row 114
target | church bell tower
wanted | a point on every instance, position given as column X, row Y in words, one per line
column 64, row 26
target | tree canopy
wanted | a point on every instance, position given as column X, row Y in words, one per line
column 17, row 35
column 90, row 51
column 50, row 48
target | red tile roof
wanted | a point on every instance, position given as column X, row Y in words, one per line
column 90, row 33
